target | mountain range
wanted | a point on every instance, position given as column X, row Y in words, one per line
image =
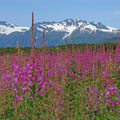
column 56, row 33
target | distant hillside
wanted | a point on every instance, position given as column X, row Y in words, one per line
column 112, row 40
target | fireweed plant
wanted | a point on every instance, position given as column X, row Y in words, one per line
column 64, row 85
column 80, row 84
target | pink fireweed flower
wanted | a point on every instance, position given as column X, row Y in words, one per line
column 30, row 83
column 91, row 90
column 103, row 72
column 89, row 95
column 44, row 85
column 100, row 97
column 59, row 103
column 102, row 77
column 118, row 100
column 59, row 89
column 25, row 82
column 39, row 84
column 29, row 75
column 96, row 102
column 15, row 89
column 89, row 106
column 16, row 97
column 50, row 83
column 24, row 90
column 45, row 91
column 101, row 93
column 40, row 93
column 107, row 92
column 21, row 115
column 54, row 108
column 21, row 98
column 106, row 104
column 30, row 96
column 113, row 103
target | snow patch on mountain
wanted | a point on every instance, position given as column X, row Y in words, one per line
column 89, row 27
column 56, row 27
column 7, row 28
column 69, row 31
column 40, row 29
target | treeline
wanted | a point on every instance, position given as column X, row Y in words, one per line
column 11, row 50
column 84, row 45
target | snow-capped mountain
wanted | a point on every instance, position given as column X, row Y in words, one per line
column 70, row 25
column 8, row 28
column 56, row 32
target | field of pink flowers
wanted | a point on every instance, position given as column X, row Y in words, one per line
column 64, row 85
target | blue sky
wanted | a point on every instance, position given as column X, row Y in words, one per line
column 19, row 11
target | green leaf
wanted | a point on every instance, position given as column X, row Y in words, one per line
column 98, row 118
column 118, row 85
column 33, row 89
column 47, row 102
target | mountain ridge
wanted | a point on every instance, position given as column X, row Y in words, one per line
column 56, row 32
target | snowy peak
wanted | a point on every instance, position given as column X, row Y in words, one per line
column 4, row 23
column 8, row 28
column 68, row 26
column 98, row 25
